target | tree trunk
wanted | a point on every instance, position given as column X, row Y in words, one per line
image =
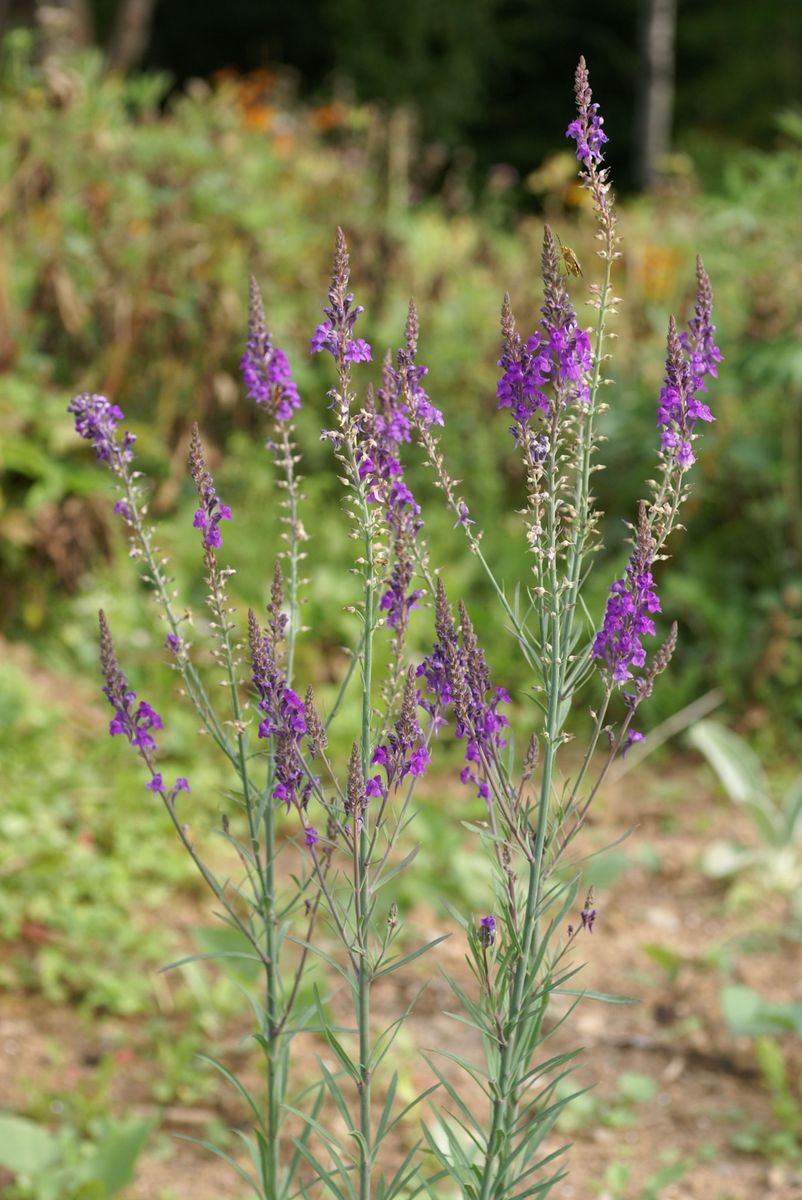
column 656, row 108
column 130, row 34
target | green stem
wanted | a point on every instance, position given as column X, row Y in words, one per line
column 504, row 1103
column 271, row 1002
column 292, row 502
column 195, row 689
column 266, row 902
column 364, row 979
column 447, row 485
column 355, row 657
column 582, row 483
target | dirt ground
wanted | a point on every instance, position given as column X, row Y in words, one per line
column 707, row 1082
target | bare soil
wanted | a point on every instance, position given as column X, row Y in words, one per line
column 707, row 1083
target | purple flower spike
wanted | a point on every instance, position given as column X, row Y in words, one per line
column 265, row 369
column 628, row 618
column 552, row 369
column 136, row 722
column 211, row 511
column 698, row 343
column 586, row 128
column 458, row 679
column 404, row 752
column 96, row 420
column 283, row 716
column 690, row 357
column 679, row 408
column 336, row 333
column 386, row 426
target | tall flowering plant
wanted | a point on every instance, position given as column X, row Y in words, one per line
column 345, row 824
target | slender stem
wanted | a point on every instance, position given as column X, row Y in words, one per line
column 435, row 460
column 291, row 480
column 265, row 901
column 593, row 742
column 195, row 689
column 504, row 1103
column 271, row 1003
column 362, row 885
column 582, row 502
column 355, row 658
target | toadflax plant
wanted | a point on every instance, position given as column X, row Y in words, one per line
column 317, row 837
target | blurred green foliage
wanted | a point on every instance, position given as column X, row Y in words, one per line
column 61, row 1166
column 127, row 235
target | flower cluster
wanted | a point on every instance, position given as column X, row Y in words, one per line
column 631, row 602
column 356, row 792
column 690, row 356
column 386, row 424
column 458, row 679
column 336, row 333
column 557, row 356
column 157, row 785
column 265, row 368
column 587, row 916
column 679, row 408
column 135, row 721
column 96, row 420
column 586, row 128
column 284, row 717
column 699, row 343
column 404, row 751
column 211, row 511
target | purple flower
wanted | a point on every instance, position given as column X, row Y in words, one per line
column 458, row 680
column 627, row 618
column 404, row 751
column 689, row 358
column 632, row 737
column 336, row 333
column 96, row 420
column 384, row 427
column 173, row 642
column 464, row 517
column 586, row 128
column 156, row 784
column 145, row 719
column 551, row 370
column 588, row 916
column 134, row 721
column 211, row 511
column 358, row 350
column 265, row 369
column 284, row 716
column 698, row 342
column 311, row 836
column 180, row 785
column 487, row 930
